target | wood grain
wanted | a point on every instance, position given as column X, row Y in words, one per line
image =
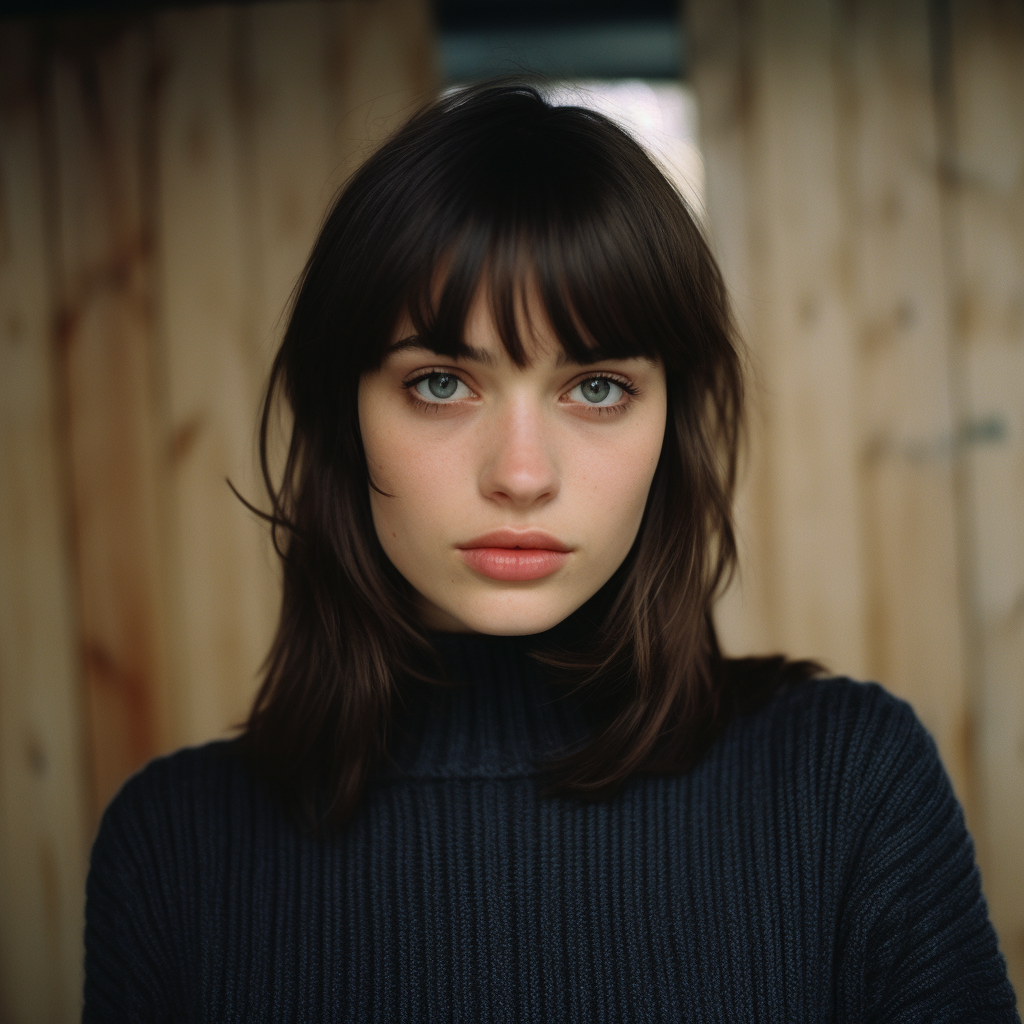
column 772, row 137
column 100, row 86
column 722, row 71
column 222, row 578
column 984, row 164
column 43, row 791
column 892, row 179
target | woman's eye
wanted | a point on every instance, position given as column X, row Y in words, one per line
column 597, row 391
column 440, row 387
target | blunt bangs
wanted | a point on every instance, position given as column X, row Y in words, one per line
column 528, row 204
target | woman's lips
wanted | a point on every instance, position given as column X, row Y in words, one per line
column 515, row 555
column 515, row 564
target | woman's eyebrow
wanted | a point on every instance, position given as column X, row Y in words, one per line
column 470, row 352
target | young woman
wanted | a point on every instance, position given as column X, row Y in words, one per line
column 498, row 768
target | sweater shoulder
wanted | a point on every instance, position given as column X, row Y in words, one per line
column 868, row 719
column 853, row 748
column 185, row 765
column 169, row 799
column 838, row 697
column 915, row 941
column 190, row 772
column 158, row 840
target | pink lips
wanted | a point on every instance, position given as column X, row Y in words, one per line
column 515, row 555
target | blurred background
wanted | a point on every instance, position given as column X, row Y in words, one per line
column 859, row 168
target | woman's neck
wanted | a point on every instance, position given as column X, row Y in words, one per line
column 495, row 713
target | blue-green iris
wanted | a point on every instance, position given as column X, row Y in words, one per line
column 442, row 385
column 596, row 390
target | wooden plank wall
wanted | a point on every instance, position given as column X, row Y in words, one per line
column 43, row 819
column 161, row 182
column 982, row 91
column 865, row 169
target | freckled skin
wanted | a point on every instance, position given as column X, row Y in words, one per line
column 514, row 447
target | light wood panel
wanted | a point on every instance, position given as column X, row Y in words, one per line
column 222, row 582
column 984, row 99
column 99, row 82
column 719, row 36
column 771, row 139
column 42, row 789
column 381, row 64
column 891, row 176
column 290, row 137
column 805, row 340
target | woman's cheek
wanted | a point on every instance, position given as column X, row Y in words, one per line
column 420, row 497
column 620, row 479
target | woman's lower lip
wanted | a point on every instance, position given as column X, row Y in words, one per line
column 514, row 564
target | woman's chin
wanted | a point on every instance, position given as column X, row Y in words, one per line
column 522, row 615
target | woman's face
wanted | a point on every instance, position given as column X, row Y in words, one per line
column 511, row 494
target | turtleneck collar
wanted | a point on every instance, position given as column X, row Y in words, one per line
column 500, row 717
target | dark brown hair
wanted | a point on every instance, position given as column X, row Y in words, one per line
column 494, row 185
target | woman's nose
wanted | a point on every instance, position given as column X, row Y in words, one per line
column 518, row 467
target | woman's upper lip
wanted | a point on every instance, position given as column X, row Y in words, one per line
column 509, row 538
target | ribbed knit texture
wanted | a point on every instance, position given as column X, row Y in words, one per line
column 813, row 867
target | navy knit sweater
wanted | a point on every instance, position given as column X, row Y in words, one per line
column 813, row 867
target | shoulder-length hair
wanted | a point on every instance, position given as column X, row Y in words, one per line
column 495, row 187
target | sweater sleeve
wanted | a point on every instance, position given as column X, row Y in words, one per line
column 918, row 945
column 125, row 962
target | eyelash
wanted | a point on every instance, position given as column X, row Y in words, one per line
column 628, row 387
